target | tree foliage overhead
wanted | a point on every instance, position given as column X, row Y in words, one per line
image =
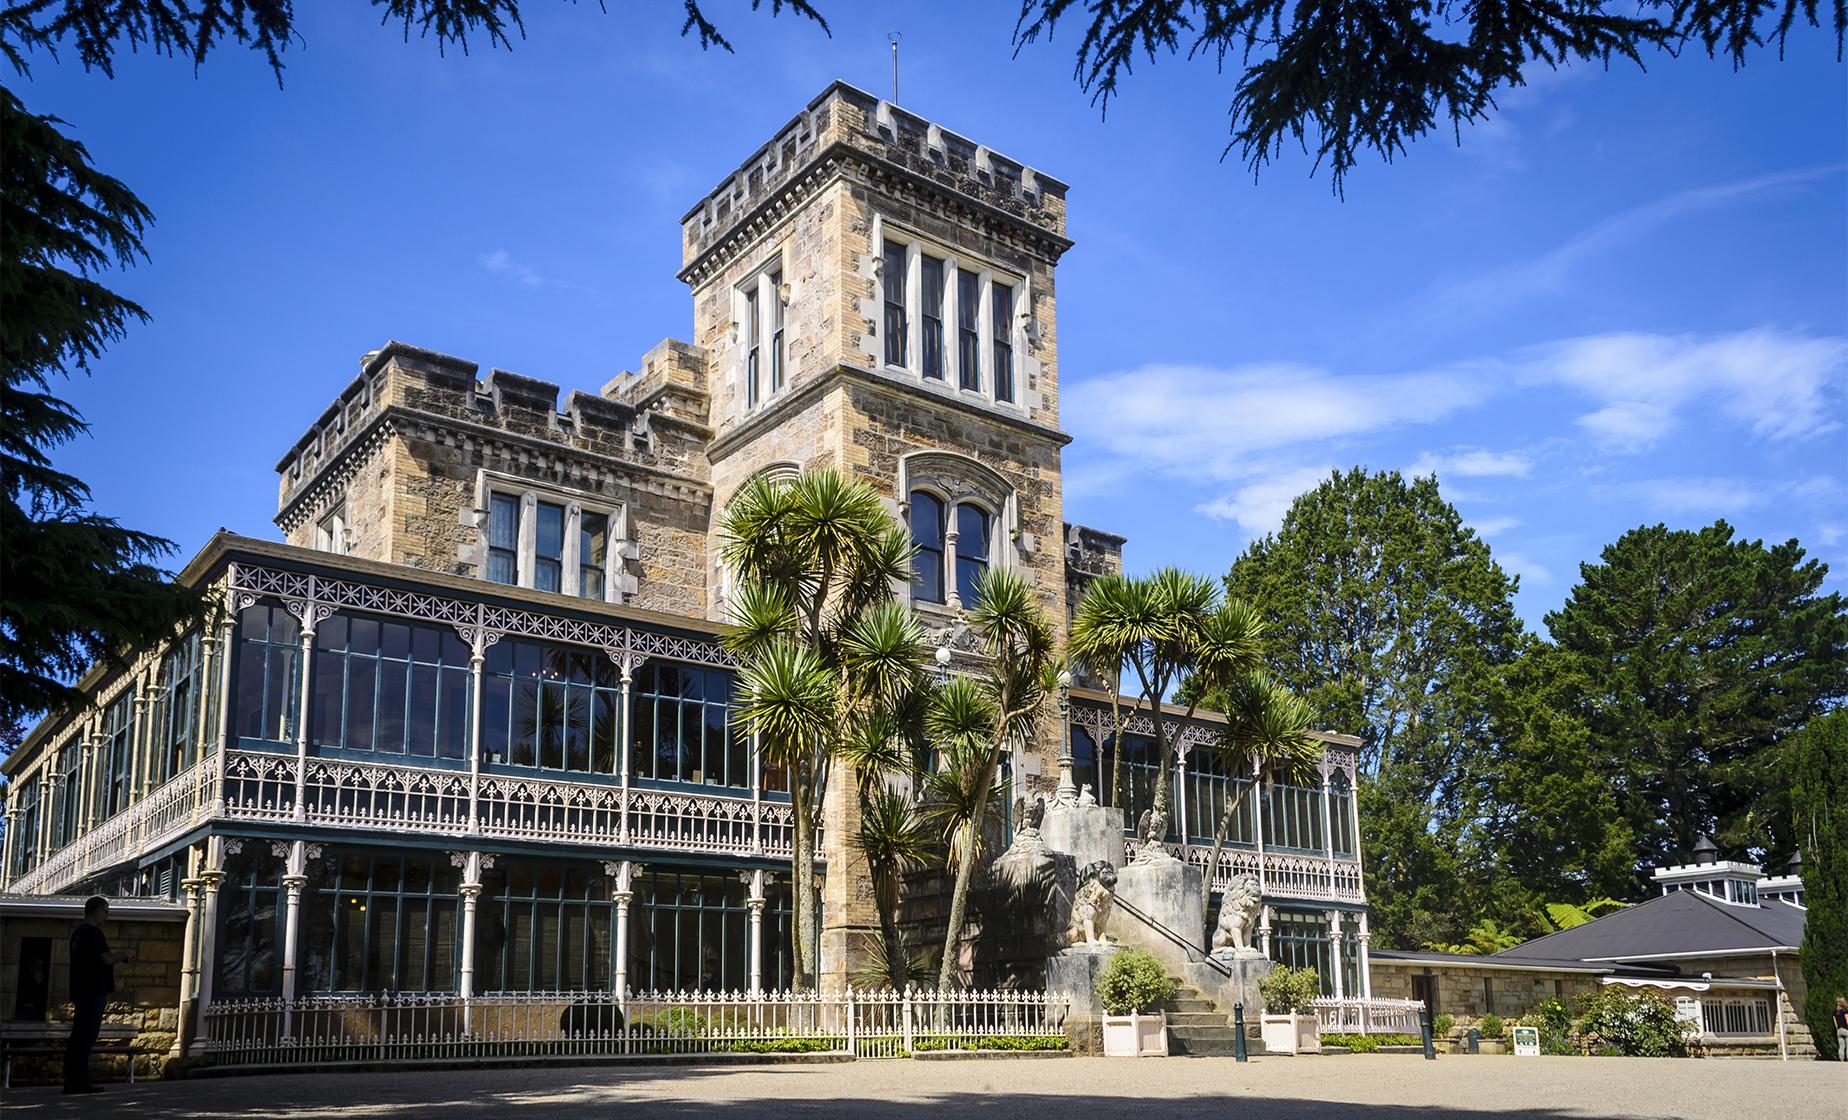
column 1340, row 80
column 75, row 587
column 1344, row 79
column 1697, row 656
column 98, row 29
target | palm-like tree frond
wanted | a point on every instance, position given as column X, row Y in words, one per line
column 761, row 615
column 789, row 701
column 881, row 655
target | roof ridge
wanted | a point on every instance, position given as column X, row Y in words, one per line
column 1726, row 909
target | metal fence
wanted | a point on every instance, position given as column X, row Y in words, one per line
column 409, row 1027
column 1367, row 1016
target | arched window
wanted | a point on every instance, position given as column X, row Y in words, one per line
column 972, row 538
column 927, row 531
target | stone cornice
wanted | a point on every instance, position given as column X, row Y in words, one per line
column 783, row 406
column 831, row 163
column 399, row 420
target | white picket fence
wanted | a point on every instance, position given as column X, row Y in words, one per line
column 1367, row 1016
column 406, row 1027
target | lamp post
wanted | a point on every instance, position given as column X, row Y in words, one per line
column 943, row 662
column 1067, row 794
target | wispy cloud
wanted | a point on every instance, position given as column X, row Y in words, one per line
column 1218, row 423
column 1705, row 497
column 1532, row 573
column 1487, row 527
column 1259, row 506
column 501, row 263
column 1473, row 462
column 1511, row 284
column 1781, row 385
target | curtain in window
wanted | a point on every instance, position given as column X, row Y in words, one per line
column 892, row 281
column 504, row 538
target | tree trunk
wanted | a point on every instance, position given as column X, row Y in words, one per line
column 802, row 878
column 965, row 872
column 897, row 966
column 1219, row 842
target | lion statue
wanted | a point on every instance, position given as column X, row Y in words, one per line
column 1091, row 903
column 1238, row 912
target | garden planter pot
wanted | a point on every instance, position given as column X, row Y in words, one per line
column 1291, row 1034
column 1136, row 1036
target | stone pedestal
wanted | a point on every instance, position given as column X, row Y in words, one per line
column 1088, row 832
column 1073, row 973
column 1241, row 987
column 1170, row 892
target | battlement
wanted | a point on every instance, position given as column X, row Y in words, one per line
column 655, row 418
column 843, row 121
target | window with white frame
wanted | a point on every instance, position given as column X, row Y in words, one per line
column 944, row 313
column 330, row 531
column 762, row 312
column 550, row 542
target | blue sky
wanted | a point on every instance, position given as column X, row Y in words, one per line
column 1624, row 300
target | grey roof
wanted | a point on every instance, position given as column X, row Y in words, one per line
column 1681, row 923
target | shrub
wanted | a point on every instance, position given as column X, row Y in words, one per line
column 776, row 1046
column 1640, row 1025
column 1442, row 1026
column 1368, row 1043
column 992, row 1042
column 1288, row 990
column 1133, row 981
column 1492, row 1026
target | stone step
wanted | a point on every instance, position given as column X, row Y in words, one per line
column 1187, row 1005
column 1199, row 1021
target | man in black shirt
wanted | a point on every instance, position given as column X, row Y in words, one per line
column 92, row 982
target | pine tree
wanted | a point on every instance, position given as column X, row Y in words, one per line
column 75, row 587
column 1818, row 776
column 1391, row 620
column 1698, row 656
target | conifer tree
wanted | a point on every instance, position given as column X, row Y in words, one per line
column 1818, row 775
column 75, row 587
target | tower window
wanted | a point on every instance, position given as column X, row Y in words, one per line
column 968, row 329
column 504, row 539
column 593, row 553
column 779, row 311
column 960, row 313
column 972, row 541
column 549, row 547
column 1002, row 329
column 931, row 292
column 557, row 545
column 927, row 530
column 893, row 275
column 751, row 329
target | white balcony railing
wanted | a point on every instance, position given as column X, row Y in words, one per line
column 403, row 798
column 1367, row 1016
column 335, row 1030
column 1280, row 874
column 185, row 802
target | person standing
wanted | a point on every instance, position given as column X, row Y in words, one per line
column 92, row 982
column 1841, row 1029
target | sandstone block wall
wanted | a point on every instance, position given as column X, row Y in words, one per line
column 147, row 993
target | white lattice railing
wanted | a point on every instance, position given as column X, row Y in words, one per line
column 180, row 804
column 423, row 1026
column 1367, row 1016
column 419, row 799
column 1282, row 874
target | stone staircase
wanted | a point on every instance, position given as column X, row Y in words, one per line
column 1196, row 1029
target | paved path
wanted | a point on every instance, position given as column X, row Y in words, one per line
column 1353, row 1087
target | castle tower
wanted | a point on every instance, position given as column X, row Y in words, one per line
column 876, row 293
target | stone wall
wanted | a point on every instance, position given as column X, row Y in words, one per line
column 1460, row 991
column 408, row 445
column 147, row 989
